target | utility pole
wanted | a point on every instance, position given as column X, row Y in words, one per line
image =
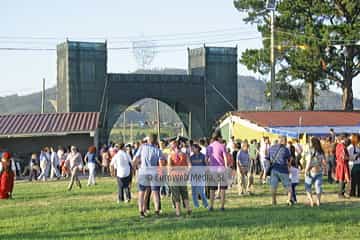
column 272, row 60
column 124, row 126
column 190, row 126
column 131, row 132
column 43, row 96
column 158, row 118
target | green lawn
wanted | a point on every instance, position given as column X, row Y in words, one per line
column 47, row 211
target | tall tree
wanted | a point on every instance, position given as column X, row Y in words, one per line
column 307, row 34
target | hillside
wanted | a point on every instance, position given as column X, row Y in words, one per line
column 251, row 97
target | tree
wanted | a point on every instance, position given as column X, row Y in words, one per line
column 306, row 31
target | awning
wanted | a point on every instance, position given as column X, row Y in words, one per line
column 283, row 132
column 312, row 130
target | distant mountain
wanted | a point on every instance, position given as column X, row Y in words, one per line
column 251, row 97
column 30, row 103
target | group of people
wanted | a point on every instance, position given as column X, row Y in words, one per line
column 280, row 161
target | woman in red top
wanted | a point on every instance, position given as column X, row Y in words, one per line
column 342, row 165
column 7, row 176
column 178, row 162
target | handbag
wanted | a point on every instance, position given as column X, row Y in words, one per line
column 268, row 171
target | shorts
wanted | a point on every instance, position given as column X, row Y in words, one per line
column 244, row 170
column 179, row 193
column 276, row 176
column 315, row 179
column 143, row 188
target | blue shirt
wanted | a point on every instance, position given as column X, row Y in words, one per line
column 243, row 158
column 91, row 157
column 280, row 162
column 149, row 155
column 197, row 160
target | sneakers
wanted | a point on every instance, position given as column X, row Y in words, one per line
column 142, row 215
column 222, row 209
column 211, row 209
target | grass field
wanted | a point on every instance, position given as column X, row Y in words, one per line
column 47, row 211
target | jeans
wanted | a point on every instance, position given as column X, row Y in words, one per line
column 315, row 179
column 91, row 167
column 330, row 167
column 293, row 192
column 43, row 174
column 54, row 171
column 355, row 181
column 123, row 186
column 196, row 191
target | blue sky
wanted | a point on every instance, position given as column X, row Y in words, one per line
column 44, row 23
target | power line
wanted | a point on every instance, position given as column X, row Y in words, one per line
column 140, row 47
column 122, row 37
column 115, row 41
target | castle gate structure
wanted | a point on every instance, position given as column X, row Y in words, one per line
column 200, row 98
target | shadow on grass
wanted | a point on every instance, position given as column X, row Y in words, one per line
column 245, row 219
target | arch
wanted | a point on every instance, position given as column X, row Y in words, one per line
column 184, row 111
column 207, row 92
column 117, row 111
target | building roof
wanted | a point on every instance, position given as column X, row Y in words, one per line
column 307, row 118
column 30, row 124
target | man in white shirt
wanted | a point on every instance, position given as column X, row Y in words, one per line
column 54, row 160
column 121, row 162
column 230, row 144
column 203, row 146
column 44, row 164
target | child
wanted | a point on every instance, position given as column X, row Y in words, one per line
column 294, row 177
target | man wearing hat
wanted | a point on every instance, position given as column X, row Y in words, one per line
column 7, row 176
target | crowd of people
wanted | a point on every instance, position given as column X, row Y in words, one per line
column 279, row 161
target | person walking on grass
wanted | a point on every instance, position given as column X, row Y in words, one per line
column 178, row 163
column 105, row 161
column 279, row 156
column 75, row 160
column 217, row 160
column 264, row 152
column 7, row 176
column 44, row 163
column 342, row 165
column 54, row 164
column 329, row 149
column 34, row 167
column 314, row 171
column 354, row 163
column 243, row 161
column 148, row 157
column 91, row 160
column 198, row 185
column 294, row 173
column 120, row 164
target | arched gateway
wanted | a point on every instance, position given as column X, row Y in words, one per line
column 204, row 95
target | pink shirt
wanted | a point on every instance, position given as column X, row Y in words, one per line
column 215, row 152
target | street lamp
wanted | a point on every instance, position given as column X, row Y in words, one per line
column 132, row 108
column 270, row 6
